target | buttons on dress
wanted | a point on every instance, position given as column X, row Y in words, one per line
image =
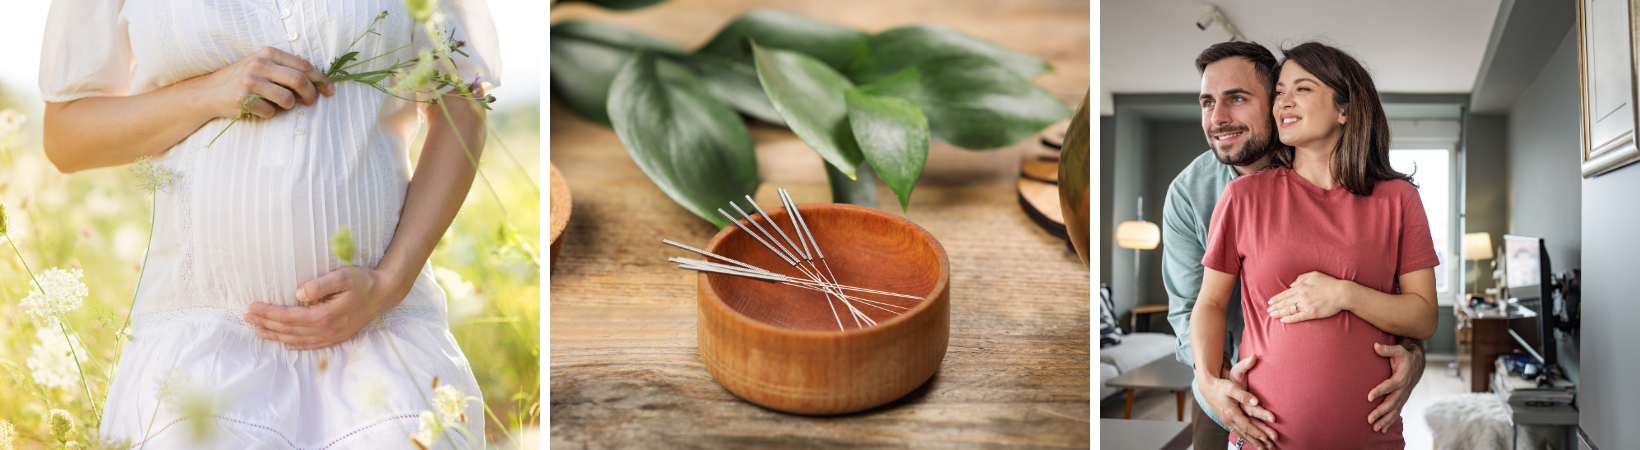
column 300, row 131
column 291, row 37
column 301, row 113
column 284, row 14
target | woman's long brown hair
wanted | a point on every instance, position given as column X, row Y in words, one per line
column 1361, row 158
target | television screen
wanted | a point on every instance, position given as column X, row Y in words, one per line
column 1523, row 271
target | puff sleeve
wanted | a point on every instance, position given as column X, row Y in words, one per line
column 86, row 51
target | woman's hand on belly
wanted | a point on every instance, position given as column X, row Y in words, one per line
column 333, row 308
column 1313, row 295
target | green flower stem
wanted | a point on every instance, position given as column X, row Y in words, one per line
column 118, row 334
column 97, row 412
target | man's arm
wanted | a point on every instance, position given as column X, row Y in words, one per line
column 1182, row 251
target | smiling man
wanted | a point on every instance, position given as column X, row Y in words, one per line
column 1238, row 83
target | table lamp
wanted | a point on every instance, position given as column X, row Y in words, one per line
column 1476, row 247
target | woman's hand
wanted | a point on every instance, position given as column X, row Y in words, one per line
column 278, row 77
column 1236, row 407
column 105, row 131
column 1313, row 295
column 334, row 308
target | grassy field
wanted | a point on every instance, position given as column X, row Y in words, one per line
column 98, row 221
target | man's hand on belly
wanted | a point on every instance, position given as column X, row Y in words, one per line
column 1407, row 367
column 1237, row 408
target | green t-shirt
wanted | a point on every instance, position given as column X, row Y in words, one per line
column 1186, row 216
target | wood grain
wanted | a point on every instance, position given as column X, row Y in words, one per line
column 625, row 368
column 778, row 347
column 560, row 209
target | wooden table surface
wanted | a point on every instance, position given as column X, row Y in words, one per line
column 625, row 370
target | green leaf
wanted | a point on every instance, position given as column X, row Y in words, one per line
column 893, row 50
column 809, row 96
column 585, row 57
column 736, row 84
column 693, row 147
column 893, row 134
column 862, row 190
column 973, row 102
column 831, row 44
column 623, row 5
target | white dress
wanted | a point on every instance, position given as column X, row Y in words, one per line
column 250, row 219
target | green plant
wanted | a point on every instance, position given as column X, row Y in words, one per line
column 866, row 104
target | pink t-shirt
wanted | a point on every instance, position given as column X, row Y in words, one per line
column 1272, row 226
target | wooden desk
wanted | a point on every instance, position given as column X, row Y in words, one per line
column 625, row 371
column 1489, row 339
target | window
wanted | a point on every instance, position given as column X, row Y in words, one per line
column 1431, row 170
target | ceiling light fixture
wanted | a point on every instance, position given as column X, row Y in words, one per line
column 1211, row 15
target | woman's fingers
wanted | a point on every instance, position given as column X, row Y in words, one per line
column 335, row 282
column 288, row 339
column 307, row 71
column 282, row 327
column 1266, row 430
column 292, row 80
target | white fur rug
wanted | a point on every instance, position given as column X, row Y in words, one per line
column 1478, row 422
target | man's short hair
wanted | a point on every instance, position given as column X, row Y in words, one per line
column 1264, row 62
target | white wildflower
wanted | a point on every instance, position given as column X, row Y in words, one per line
column 152, row 177
column 7, row 431
column 418, row 76
column 10, row 122
column 450, row 404
column 51, row 361
column 431, row 431
column 58, row 292
column 187, row 396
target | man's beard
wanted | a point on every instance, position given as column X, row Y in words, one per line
column 1255, row 147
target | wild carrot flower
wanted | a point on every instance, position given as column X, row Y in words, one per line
column 431, row 431
column 3, row 220
column 10, row 122
column 152, row 177
column 51, row 361
column 183, row 394
column 418, row 77
column 60, row 424
column 56, row 292
column 72, row 445
column 449, row 403
column 6, row 433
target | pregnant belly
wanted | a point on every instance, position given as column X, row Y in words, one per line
column 1315, row 376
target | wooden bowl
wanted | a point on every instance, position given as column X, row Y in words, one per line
column 559, row 209
column 779, row 346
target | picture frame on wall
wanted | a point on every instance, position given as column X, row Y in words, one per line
column 1606, row 79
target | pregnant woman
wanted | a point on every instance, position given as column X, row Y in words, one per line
column 242, row 299
column 1334, row 253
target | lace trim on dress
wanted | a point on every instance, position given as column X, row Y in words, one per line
column 160, row 317
column 276, row 432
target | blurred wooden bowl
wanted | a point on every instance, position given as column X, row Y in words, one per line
column 779, row 346
column 559, row 209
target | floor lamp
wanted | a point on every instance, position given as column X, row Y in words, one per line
column 1138, row 235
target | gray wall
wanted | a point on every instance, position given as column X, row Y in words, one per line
column 1544, row 168
column 1107, row 184
column 1609, row 399
column 1486, row 185
column 1131, row 140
